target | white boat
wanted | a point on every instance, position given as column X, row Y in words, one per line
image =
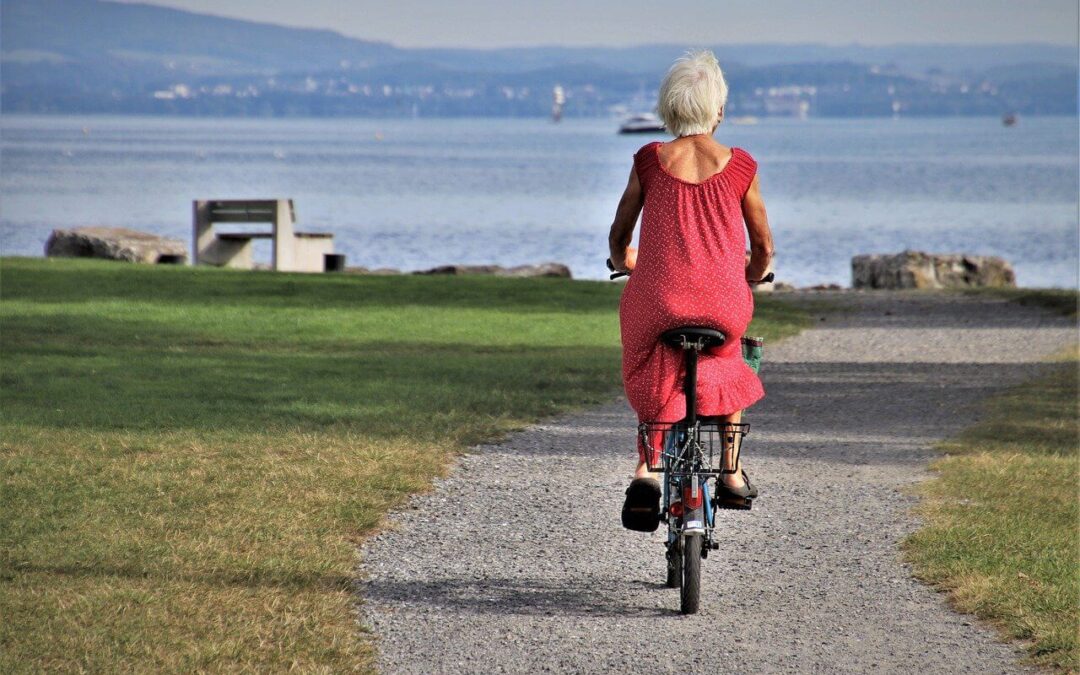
column 642, row 123
column 558, row 100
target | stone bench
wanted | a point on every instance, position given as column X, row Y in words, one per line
column 292, row 251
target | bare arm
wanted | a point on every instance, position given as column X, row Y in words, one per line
column 622, row 230
column 757, row 225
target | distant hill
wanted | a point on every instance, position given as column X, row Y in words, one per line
column 652, row 58
column 87, row 56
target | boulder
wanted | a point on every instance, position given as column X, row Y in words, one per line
column 378, row 271
column 916, row 269
column 461, row 269
column 549, row 269
column 115, row 243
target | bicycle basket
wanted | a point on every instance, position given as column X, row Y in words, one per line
column 670, row 445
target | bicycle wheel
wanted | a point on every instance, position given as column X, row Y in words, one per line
column 690, row 590
column 674, row 565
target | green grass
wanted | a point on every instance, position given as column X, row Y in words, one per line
column 188, row 456
column 1002, row 518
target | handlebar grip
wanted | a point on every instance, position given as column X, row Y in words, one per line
column 615, row 274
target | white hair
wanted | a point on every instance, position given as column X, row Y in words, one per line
column 692, row 94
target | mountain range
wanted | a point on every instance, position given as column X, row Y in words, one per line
column 94, row 56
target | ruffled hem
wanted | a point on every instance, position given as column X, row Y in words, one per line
column 736, row 393
column 725, row 386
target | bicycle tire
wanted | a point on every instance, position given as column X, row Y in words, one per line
column 690, row 589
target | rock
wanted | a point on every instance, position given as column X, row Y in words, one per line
column 783, row 287
column 916, row 269
column 115, row 243
column 378, row 271
column 461, row 269
column 549, row 269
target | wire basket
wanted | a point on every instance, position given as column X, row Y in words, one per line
column 671, row 446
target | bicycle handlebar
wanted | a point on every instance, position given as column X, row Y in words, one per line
column 614, row 273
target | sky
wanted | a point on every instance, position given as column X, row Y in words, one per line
column 518, row 23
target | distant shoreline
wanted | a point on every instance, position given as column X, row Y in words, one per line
column 569, row 119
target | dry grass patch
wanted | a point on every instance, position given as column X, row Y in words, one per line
column 1002, row 518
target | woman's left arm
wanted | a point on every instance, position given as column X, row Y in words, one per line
column 622, row 229
column 757, row 225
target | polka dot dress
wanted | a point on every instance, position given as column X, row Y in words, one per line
column 690, row 271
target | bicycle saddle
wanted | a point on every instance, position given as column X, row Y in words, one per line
column 709, row 336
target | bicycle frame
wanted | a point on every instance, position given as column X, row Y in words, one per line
column 685, row 459
column 687, row 506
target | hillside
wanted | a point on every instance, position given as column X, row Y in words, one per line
column 91, row 56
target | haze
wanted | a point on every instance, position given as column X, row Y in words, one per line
column 496, row 23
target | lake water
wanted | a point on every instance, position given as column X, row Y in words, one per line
column 418, row 193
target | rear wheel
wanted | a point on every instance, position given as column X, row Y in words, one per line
column 690, row 589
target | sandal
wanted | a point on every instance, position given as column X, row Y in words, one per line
column 740, row 498
column 749, row 486
column 641, row 510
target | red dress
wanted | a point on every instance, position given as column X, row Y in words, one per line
column 690, row 271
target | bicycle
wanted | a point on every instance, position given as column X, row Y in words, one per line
column 684, row 453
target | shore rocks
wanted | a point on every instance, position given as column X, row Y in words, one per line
column 378, row 271
column 115, row 243
column 549, row 269
column 917, row 269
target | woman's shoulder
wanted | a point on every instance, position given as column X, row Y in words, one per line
column 647, row 151
column 743, row 156
column 645, row 158
column 742, row 167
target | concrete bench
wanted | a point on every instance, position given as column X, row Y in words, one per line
column 292, row 251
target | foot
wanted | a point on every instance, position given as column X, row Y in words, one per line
column 641, row 510
column 643, row 471
column 738, row 483
column 734, row 481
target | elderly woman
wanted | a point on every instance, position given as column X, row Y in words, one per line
column 697, row 200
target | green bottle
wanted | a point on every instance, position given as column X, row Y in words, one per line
column 751, row 351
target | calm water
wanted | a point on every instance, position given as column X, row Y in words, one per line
column 418, row 193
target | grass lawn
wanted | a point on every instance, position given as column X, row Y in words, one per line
column 188, row 456
column 1002, row 517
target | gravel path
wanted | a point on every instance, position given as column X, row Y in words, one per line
column 517, row 562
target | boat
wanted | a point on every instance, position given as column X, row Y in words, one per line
column 1010, row 119
column 558, row 97
column 642, row 123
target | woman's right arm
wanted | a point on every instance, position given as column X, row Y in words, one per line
column 622, row 229
column 757, row 225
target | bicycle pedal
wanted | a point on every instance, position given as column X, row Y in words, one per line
column 734, row 504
